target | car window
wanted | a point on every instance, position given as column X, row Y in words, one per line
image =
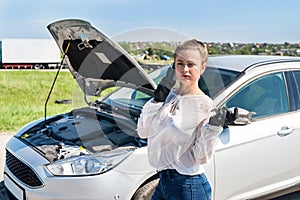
column 215, row 80
column 266, row 96
column 293, row 82
column 297, row 78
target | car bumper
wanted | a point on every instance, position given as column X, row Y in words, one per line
column 114, row 184
column 56, row 189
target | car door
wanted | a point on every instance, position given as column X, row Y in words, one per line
column 264, row 155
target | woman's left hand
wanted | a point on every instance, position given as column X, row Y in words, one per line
column 219, row 117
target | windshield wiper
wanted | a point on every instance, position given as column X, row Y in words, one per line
column 103, row 105
column 108, row 107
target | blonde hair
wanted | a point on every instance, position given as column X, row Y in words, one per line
column 193, row 44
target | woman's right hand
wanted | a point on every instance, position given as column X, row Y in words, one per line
column 165, row 85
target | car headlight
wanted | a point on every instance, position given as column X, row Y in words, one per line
column 88, row 164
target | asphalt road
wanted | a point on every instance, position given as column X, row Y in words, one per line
column 293, row 193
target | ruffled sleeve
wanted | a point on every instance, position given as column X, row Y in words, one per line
column 149, row 111
column 206, row 141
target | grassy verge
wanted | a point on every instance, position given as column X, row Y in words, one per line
column 24, row 92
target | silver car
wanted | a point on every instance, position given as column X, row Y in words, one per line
column 94, row 152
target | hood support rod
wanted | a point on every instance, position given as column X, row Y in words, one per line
column 59, row 68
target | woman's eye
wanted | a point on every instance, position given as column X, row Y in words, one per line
column 190, row 65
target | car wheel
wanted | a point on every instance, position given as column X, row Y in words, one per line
column 146, row 191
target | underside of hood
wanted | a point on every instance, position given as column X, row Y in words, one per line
column 95, row 61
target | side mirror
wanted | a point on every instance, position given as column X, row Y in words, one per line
column 240, row 116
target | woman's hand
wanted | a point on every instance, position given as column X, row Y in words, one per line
column 219, row 117
column 165, row 85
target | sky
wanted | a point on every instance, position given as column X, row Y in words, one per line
column 270, row 21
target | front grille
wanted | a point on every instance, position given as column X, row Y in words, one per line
column 22, row 171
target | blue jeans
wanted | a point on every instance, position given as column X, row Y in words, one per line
column 175, row 186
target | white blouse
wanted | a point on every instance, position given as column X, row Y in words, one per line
column 178, row 134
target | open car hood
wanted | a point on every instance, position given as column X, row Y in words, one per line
column 95, row 61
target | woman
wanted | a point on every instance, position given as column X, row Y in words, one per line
column 180, row 129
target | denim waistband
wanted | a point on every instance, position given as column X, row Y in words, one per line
column 169, row 171
column 174, row 172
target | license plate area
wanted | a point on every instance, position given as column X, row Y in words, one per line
column 14, row 189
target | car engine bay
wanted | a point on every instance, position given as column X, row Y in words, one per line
column 80, row 132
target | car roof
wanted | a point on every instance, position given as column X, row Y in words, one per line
column 241, row 63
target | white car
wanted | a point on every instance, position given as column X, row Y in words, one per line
column 95, row 153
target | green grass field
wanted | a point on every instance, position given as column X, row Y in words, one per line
column 24, row 93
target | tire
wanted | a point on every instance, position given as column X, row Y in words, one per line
column 146, row 191
column 37, row 66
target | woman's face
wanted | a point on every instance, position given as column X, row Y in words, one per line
column 188, row 66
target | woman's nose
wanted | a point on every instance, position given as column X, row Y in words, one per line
column 185, row 68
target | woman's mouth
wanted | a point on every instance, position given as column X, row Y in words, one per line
column 186, row 76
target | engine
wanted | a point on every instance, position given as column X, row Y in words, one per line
column 79, row 133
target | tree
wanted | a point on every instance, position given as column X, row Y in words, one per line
column 212, row 50
column 245, row 52
column 150, row 51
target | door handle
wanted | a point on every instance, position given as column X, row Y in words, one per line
column 285, row 131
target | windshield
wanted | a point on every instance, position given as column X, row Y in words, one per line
column 212, row 82
column 131, row 98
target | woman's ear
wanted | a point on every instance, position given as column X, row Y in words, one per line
column 202, row 69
